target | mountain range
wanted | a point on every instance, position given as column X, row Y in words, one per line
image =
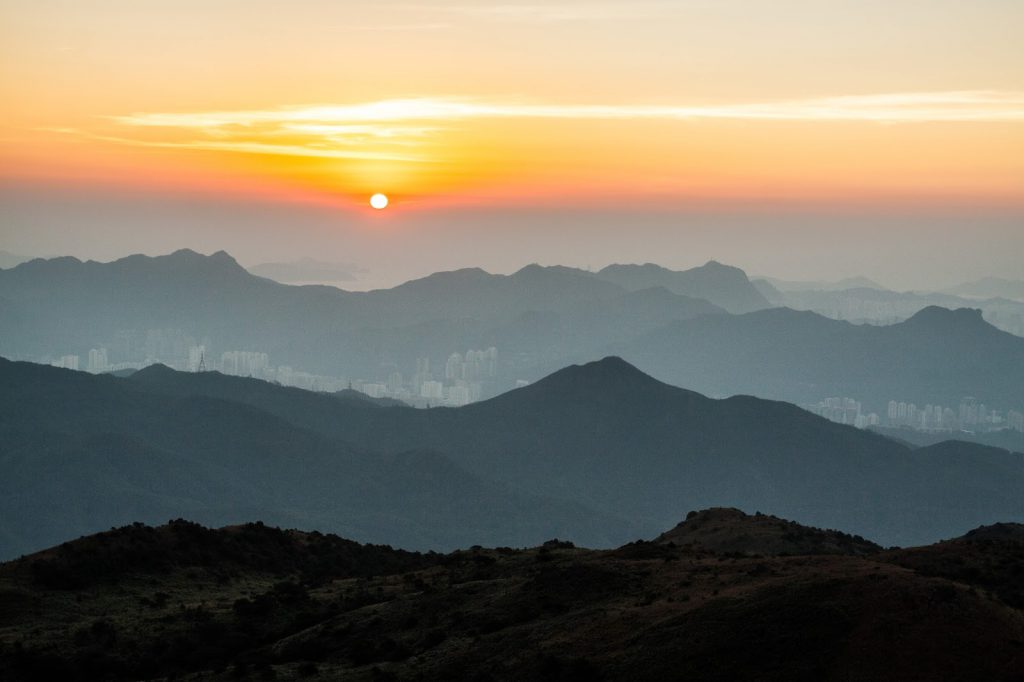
column 675, row 325
column 938, row 356
column 82, row 452
column 723, row 285
column 596, row 453
column 536, row 315
column 722, row 596
column 990, row 287
column 861, row 300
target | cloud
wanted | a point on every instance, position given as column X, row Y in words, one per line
column 971, row 105
column 549, row 13
column 402, row 130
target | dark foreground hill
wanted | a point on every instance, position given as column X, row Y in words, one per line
column 730, row 530
column 253, row 602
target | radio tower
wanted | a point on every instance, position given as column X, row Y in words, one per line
column 202, row 362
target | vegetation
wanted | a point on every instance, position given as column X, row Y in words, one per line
column 251, row 602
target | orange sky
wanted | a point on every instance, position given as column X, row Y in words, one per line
column 480, row 103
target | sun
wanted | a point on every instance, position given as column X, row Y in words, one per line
column 379, row 201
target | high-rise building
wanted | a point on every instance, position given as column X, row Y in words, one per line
column 453, row 368
column 244, row 363
column 432, row 390
column 67, row 362
column 97, row 361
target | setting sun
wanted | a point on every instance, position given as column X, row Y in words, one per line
column 379, row 201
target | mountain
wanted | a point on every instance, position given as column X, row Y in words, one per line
column 84, row 452
column 724, row 531
column 307, row 270
column 607, row 437
column 254, row 602
column 723, row 285
column 990, row 287
column 1007, row 439
column 771, row 294
column 876, row 305
column 143, row 309
column 938, row 356
column 789, row 286
column 989, row 556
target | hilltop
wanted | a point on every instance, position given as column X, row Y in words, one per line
column 256, row 602
column 731, row 531
column 594, row 453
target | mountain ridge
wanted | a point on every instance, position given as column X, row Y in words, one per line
column 251, row 600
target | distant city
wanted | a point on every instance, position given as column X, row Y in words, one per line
column 970, row 415
column 459, row 382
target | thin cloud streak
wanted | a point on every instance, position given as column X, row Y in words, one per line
column 550, row 13
column 317, row 150
column 921, row 107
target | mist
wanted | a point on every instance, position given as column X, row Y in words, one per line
column 909, row 248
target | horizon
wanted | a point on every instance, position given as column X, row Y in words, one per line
column 487, row 300
column 356, row 279
column 795, row 140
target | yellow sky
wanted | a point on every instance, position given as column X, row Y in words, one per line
column 441, row 103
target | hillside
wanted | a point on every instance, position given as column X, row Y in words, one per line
column 254, row 602
column 608, row 437
column 723, row 285
column 864, row 302
column 938, row 356
column 144, row 308
column 81, row 453
column 726, row 531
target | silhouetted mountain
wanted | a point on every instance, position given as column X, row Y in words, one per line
column 990, row 287
column 723, row 285
column 866, row 304
column 1006, row 439
column 936, row 357
column 788, row 286
column 82, row 452
column 731, row 531
column 771, row 294
column 141, row 307
column 360, row 397
column 610, row 438
column 254, row 602
column 989, row 556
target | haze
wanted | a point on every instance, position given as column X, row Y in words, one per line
column 795, row 139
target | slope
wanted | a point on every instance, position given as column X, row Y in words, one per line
column 83, row 452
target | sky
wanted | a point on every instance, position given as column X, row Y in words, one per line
column 794, row 138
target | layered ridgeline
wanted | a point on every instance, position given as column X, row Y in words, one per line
column 861, row 300
column 673, row 325
column 535, row 316
column 938, row 356
column 727, row 286
column 81, row 453
column 723, row 596
column 597, row 454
